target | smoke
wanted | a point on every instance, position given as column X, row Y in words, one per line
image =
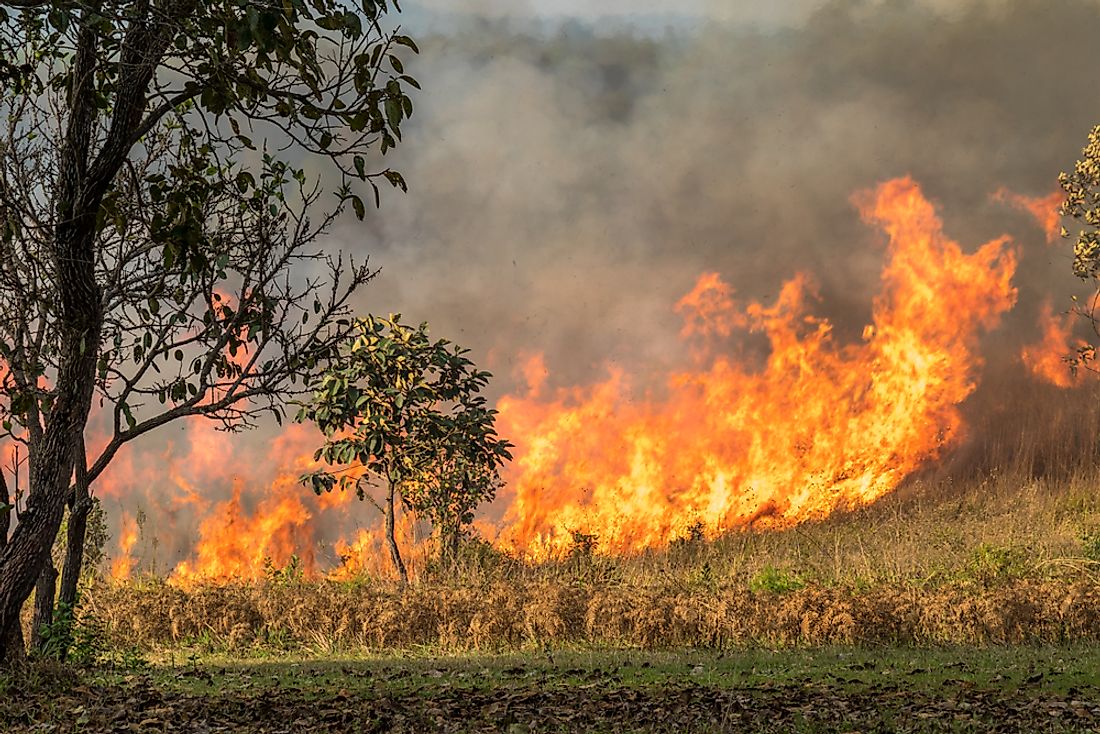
column 567, row 188
column 569, row 181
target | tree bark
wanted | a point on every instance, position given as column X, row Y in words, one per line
column 74, row 551
column 448, row 539
column 12, row 648
column 74, row 541
column 391, row 539
column 44, row 592
column 81, row 184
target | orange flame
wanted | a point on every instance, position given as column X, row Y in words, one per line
column 236, row 544
column 821, row 423
column 1047, row 210
column 122, row 567
column 1048, row 359
column 368, row 556
column 820, row 426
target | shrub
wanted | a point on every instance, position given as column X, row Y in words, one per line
column 775, row 580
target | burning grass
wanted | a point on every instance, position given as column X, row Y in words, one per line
column 989, row 562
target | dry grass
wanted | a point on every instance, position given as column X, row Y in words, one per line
column 1000, row 544
column 330, row 617
column 1001, row 561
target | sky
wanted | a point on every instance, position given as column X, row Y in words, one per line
column 759, row 13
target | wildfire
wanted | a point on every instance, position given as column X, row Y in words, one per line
column 122, row 566
column 820, row 426
column 236, row 544
column 1045, row 209
column 366, row 554
column 1048, row 358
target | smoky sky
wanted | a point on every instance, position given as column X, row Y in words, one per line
column 570, row 178
column 567, row 186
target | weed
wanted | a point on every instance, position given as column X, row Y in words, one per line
column 584, row 544
column 291, row 573
column 989, row 564
column 776, row 581
column 1090, row 544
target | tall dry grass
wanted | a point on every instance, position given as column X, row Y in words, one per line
column 1000, row 561
column 331, row 617
column 999, row 543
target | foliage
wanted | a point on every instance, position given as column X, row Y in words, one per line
column 195, row 241
column 291, row 573
column 1090, row 544
column 582, row 545
column 406, row 410
column 1082, row 204
column 776, row 581
column 158, row 232
column 990, row 564
column 82, row 639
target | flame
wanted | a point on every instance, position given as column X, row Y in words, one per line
column 817, row 423
column 1048, row 359
column 708, row 309
column 236, row 544
column 367, row 554
column 819, row 426
column 122, row 566
column 1047, row 210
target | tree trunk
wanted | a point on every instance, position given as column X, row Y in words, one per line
column 82, row 180
column 22, row 559
column 391, row 539
column 44, row 592
column 448, row 543
column 12, row 649
column 74, row 543
column 74, row 551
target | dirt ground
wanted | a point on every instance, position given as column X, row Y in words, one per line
column 994, row 690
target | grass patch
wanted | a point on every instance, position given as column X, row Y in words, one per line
column 1051, row 689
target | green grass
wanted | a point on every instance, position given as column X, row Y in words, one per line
column 1060, row 669
column 1054, row 689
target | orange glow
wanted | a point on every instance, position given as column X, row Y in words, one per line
column 708, row 310
column 367, row 555
column 237, row 544
column 1045, row 209
column 1048, row 358
column 122, row 566
column 821, row 425
column 818, row 422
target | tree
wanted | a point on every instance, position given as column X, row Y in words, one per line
column 464, row 473
column 158, row 245
column 398, row 408
column 1082, row 203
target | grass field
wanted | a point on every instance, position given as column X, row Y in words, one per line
column 947, row 607
column 1002, row 561
column 827, row 690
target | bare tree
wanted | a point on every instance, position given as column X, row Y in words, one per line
column 159, row 248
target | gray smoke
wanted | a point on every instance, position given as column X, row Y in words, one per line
column 568, row 186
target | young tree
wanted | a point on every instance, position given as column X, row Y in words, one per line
column 464, row 473
column 157, row 259
column 399, row 408
column 1082, row 203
